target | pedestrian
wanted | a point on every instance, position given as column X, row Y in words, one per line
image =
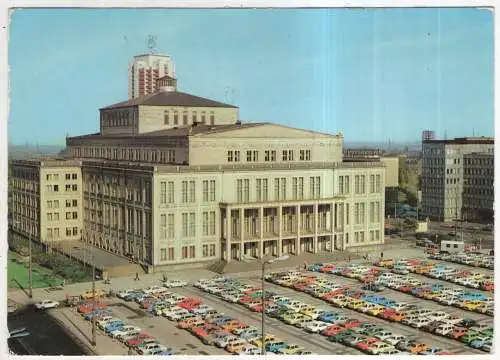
column 381, row 255
column 136, row 276
column 349, row 259
column 130, row 352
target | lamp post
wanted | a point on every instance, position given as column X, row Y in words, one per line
column 263, row 264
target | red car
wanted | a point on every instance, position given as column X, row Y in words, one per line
column 245, row 299
column 138, row 339
column 405, row 288
column 332, row 330
column 351, row 323
column 365, row 344
column 386, row 314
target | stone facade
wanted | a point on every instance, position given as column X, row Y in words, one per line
column 478, row 195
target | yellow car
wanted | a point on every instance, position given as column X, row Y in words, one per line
column 472, row 305
column 309, row 311
column 90, row 294
column 432, row 295
column 295, row 319
column 376, row 310
column 291, row 349
column 258, row 342
column 236, row 346
column 356, row 304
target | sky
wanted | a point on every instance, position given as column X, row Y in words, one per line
column 376, row 75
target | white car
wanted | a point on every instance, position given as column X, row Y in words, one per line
column 203, row 308
column 174, row 283
column 149, row 348
column 394, row 339
column 121, row 294
column 46, row 304
column 316, row 326
column 437, row 316
column 124, row 330
column 155, row 289
column 101, row 324
column 250, row 350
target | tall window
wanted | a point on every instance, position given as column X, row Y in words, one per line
column 171, row 226
column 246, row 190
column 372, row 183
column 205, row 223
column 212, row 190
column 203, row 117
column 377, row 211
column 163, row 254
column 294, row 188
column 265, row 194
column 192, row 191
column 195, row 119
column 163, row 226
column 377, row 183
column 170, row 193
column 192, row 224
column 276, row 188
column 283, row 189
column 205, row 190
column 163, row 192
column 287, row 155
column 165, row 118
column 185, row 117
column 362, row 213
column 176, row 118
column 314, row 187
column 372, row 212
column 185, row 219
column 356, row 213
column 258, row 189
column 211, row 223
column 347, row 211
column 212, row 118
column 184, row 192
column 239, row 190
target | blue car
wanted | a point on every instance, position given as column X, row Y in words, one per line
column 114, row 325
column 479, row 342
column 276, row 346
column 282, row 302
column 328, row 317
column 98, row 313
column 314, row 267
column 222, row 320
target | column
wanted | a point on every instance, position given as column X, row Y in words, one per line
column 242, row 225
column 299, row 225
column 261, row 224
column 315, row 237
column 228, row 234
column 334, row 218
column 143, row 235
column 280, row 224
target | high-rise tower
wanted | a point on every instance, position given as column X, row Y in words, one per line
column 144, row 72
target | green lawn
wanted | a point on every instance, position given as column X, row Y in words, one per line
column 17, row 273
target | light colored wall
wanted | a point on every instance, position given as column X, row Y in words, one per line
column 62, row 195
column 226, row 192
column 212, row 149
column 391, row 171
column 151, row 118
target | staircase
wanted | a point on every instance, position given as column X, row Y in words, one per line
column 217, row 267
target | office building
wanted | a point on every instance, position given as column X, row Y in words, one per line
column 443, row 174
column 478, row 194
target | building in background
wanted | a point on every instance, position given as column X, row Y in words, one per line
column 391, row 164
column 443, row 174
column 478, row 194
column 144, row 72
column 172, row 178
column 428, row 135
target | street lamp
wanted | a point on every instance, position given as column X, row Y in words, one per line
column 263, row 264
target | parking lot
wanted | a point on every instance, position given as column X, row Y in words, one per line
column 184, row 341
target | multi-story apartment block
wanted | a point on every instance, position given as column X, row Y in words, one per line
column 47, row 200
column 144, row 72
column 478, row 194
column 173, row 178
column 443, row 174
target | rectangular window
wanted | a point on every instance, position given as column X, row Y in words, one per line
column 273, row 155
column 265, row 194
column 163, row 254
column 68, row 216
column 68, row 231
column 49, row 233
column 49, row 204
column 185, row 117
column 212, row 249
column 56, row 204
column 163, row 226
column 165, row 118
column 212, row 118
column 267, row 155
column 192, row 224
column 74, row 176
column 362, row 213
column 75, row 215
column 205, row 223
column 185, row 219
column 75, row 203
column 239, row 190
column 211, row 223
column 49, row 216
column 205, row 190
column 56, row 233
column 68, row 187
column 283, row 189
column 308, row 155
column 372, row 212
column 170, row 192
column 377, row 211
column 56, row 216
column 192, row 253
column 176, row 118
column 68, row 176
column 294, row 188
column 346, row 185
column 184, row 192
column 205, row 251
column 377, row 183
column 184, row 252
column 249, row 157
column 230, row 156
column 203, row 117
column 212, row 190
column 171, row 253
column 171, row 226
column 74, row 187
column 276, row 188
column 372, row 183
column 246, row 190
column 192, row 191
column 347, row 210
column 163, row 192
column 236, row 156
column 194, row 117
column 258, row 189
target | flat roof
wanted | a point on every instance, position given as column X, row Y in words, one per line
column 463, row 140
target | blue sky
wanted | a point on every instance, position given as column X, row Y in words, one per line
column 375, row 74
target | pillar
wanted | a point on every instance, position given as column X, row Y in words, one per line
column 261, row 224
column 315, row 237
column 334, row 215
column 280, row 230
column 228, row 234
column 242, row 225
column 299, row 225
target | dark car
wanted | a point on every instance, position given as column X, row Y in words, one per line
column 373, row 287
column 432, row 326
column 467, row 323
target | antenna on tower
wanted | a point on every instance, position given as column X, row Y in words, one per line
column 151, row 43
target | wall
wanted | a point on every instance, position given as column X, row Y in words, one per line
column 391, row 171
column 151, row 118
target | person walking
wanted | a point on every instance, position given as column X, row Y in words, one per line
column 136, row 276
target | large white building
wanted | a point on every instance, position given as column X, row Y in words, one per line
column 144, row 72
column 173, row 178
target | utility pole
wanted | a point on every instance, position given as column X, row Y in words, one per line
column 30, row 268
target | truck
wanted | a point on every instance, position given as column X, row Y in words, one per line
column 452, row 246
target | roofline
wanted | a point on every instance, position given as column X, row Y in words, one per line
column 463, row 141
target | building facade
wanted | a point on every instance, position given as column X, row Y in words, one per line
column 443, row 174
column 47, row 200
column 478, row 194
column 173, row 178
column 144, row 72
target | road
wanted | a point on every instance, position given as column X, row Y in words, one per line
column 46, row 337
